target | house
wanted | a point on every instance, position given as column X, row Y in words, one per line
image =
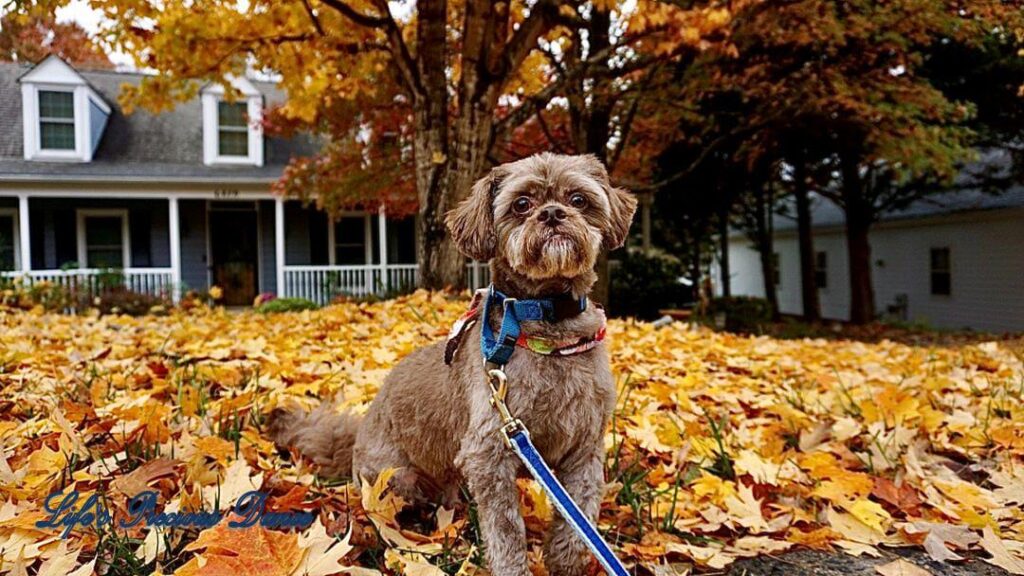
column 172, row 201
column 952, row 260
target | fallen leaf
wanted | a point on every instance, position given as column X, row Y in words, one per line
column 322, row 553
column 225, row 551
column 1001, row 556
column 901, row 568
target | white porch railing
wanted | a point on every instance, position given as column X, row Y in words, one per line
column 156, row 281
column 324, row 283
column 321, row 284
column 478, row 275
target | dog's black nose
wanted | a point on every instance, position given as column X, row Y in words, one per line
column 552, row 215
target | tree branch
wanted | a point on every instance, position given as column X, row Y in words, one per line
column 547, row 134
column 539, row 100
column 403, row 57
column 627, row 124
column 355, row 15
column 313, row 17
column 699, row 160
column 399, row 51
column 524, row 39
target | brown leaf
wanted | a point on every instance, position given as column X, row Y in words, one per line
column 138, row 480
column 901, row 568
column 903, row 497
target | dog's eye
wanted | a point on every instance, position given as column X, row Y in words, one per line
column 521, row 205
column 578, row 201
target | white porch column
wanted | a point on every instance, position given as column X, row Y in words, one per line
column 279, row 244
column 25, row 238
column 174, row 230
column 382, row 245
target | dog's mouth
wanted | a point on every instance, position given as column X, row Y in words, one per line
column 542, row 252
column 558, row 236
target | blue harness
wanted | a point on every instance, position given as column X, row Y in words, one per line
column 498, row 349
column 496, row 352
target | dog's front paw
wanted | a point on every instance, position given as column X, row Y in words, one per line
column 566, row 555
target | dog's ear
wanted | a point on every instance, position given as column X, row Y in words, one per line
column 623, row 206
column 471, row 223
column 621, row 203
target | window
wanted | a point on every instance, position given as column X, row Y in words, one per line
column 941, row 272
column 350, row 235
column 821, row 269
column 56, row 120
column 232, row 129
column 103, row 238
column 63, row 118
column 8, row 238
column 776, row 269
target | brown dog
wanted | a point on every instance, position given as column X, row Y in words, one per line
column 542, row 222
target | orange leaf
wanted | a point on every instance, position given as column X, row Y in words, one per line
column 237, row 551
column 903, row 498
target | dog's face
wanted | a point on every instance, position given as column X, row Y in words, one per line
column 547, row 216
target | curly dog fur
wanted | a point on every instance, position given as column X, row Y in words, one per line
column 542, row 222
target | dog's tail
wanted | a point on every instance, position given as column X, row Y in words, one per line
column 325, row 436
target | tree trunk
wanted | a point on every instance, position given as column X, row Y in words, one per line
column 450, row 160
column 858, row 224
column 645, row 222
column 697, row 274
column 723, row 241
column 766, row 247
column 862, row 294
column 808, row 284
column 436, row 253
column 597, row 131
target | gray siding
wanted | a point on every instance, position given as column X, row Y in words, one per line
column 296, row 235
column 53, row 223
column 987, row 270
column 193, row 244
column 305, row 235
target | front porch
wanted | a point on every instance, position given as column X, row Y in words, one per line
column 190, row 241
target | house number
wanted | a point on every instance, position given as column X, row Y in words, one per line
column 225, row 193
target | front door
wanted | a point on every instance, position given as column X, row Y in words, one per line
column 234, row 252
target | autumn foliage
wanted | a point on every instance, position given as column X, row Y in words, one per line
column 29, row 39
column 722, row 446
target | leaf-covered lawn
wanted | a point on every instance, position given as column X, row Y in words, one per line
column 722, row 447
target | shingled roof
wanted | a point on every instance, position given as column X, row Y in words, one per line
column 141, row 147
column 963, row 196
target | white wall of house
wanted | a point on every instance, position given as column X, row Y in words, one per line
column 987, row 270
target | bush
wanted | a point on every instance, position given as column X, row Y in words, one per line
column 120, row 300
column 107, row 295
column 641, row 285
column 286, row 305
column 20, row 293
column 744, row 314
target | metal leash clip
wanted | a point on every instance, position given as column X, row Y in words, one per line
column 510, row 425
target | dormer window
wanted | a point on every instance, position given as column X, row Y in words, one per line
column 231, row 125
column 56, row 120
column 64, row 117
column 232, row 129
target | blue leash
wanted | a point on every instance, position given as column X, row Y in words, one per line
column 566, row 506
column 517, row 437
